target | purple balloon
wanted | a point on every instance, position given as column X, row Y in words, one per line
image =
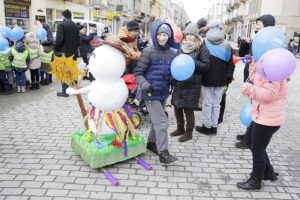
column 276, row 65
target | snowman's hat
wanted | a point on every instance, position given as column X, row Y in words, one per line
column 114, row 41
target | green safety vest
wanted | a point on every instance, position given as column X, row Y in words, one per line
column 2, row 66
column 4, row 61
column 47, row 57
column 19, row 60
column 33, row 53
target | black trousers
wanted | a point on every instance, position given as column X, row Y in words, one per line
column 34, row 74
column 222, row 109
column 246, row 72
column 258, row 138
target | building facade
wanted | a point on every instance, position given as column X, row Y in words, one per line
column 238, row 17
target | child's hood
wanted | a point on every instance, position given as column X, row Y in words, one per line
column 154, row 29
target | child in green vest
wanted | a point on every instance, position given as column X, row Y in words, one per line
column 5, row 63
column 35, row 51
column 20, row 59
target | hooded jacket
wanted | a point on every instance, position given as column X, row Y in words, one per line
column 221, row 66
column 268, row 99
column 124, row 35
column 154, row 66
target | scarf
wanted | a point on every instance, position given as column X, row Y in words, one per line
column 187, row 46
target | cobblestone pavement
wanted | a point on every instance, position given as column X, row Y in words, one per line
column 37, row 162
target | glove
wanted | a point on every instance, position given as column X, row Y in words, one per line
column 146, row 86
column 173, row 82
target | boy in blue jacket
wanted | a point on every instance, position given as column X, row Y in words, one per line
column 152, row 74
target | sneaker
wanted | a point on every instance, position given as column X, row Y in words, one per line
column 151, row 146
column 241, row 137
column 166, row 158
column 61, row 94
column 241, row 145
column 214, row 130
column 204, row 130
column 251, row 184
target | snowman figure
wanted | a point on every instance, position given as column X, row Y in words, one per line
column 108, row 94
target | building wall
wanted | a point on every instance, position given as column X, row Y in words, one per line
column 2, row 14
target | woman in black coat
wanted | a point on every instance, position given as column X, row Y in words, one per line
column 186, row 93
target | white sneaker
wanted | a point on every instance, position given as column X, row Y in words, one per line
column 18, row 89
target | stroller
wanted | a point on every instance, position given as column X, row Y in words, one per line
column 134, row 101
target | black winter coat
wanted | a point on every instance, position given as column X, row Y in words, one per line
column 219, row 72
column 67, row 38
column 186, row 93
column 85, row 46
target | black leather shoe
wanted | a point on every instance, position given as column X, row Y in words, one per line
column 151, row 146
column 240, row 137
column 241, row 145
column 270, row 175
column 251, row 184
column 166, row 158
column 61, row 94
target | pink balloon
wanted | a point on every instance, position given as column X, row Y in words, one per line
column 276, row 65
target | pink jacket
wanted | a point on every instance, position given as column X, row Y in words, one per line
column 268, row 99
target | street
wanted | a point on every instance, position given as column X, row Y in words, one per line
column 38, row 163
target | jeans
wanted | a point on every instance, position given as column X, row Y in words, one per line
column 42, row 73
column 258, row 138
column 20, row 78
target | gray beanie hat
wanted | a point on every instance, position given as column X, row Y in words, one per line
column 164, row 28
column 201, row 22
column 192, row 29
column 213, row 24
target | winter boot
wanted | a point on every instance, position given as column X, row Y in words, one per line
column 241, row 145
column 32, row 87
column 180, row 123
column 18, row 89
column 23, row 89
column 151, row 146
column 241, row 137
column 9, row 89
column 37, row 85
column 270, row 174
column 190, row 124
column 214, row 130
column 46, row 82
column 251, row 184
column 166, row 158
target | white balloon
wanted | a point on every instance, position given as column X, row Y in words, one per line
column 108, row 97
column 107, row 63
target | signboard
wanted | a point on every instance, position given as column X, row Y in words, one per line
column 40, row 18
column 77, row 15
column 23, row 2
column 17, row 11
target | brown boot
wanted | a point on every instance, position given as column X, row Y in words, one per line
column 180, row 123
column 190, row 124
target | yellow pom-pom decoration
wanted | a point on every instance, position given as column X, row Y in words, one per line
column 88, row 137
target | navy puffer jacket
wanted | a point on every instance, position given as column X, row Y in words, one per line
column 154, row 66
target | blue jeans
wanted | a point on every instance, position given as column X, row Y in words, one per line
column 20, row 78
column 42, row 74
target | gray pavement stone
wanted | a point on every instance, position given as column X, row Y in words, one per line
column 37, row 162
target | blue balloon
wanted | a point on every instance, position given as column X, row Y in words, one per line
column 246, row 114
column 182, row 67
column 267, row 39
column 41, row 33
column 3, row 44
column 5, row 32
column 17, row 33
